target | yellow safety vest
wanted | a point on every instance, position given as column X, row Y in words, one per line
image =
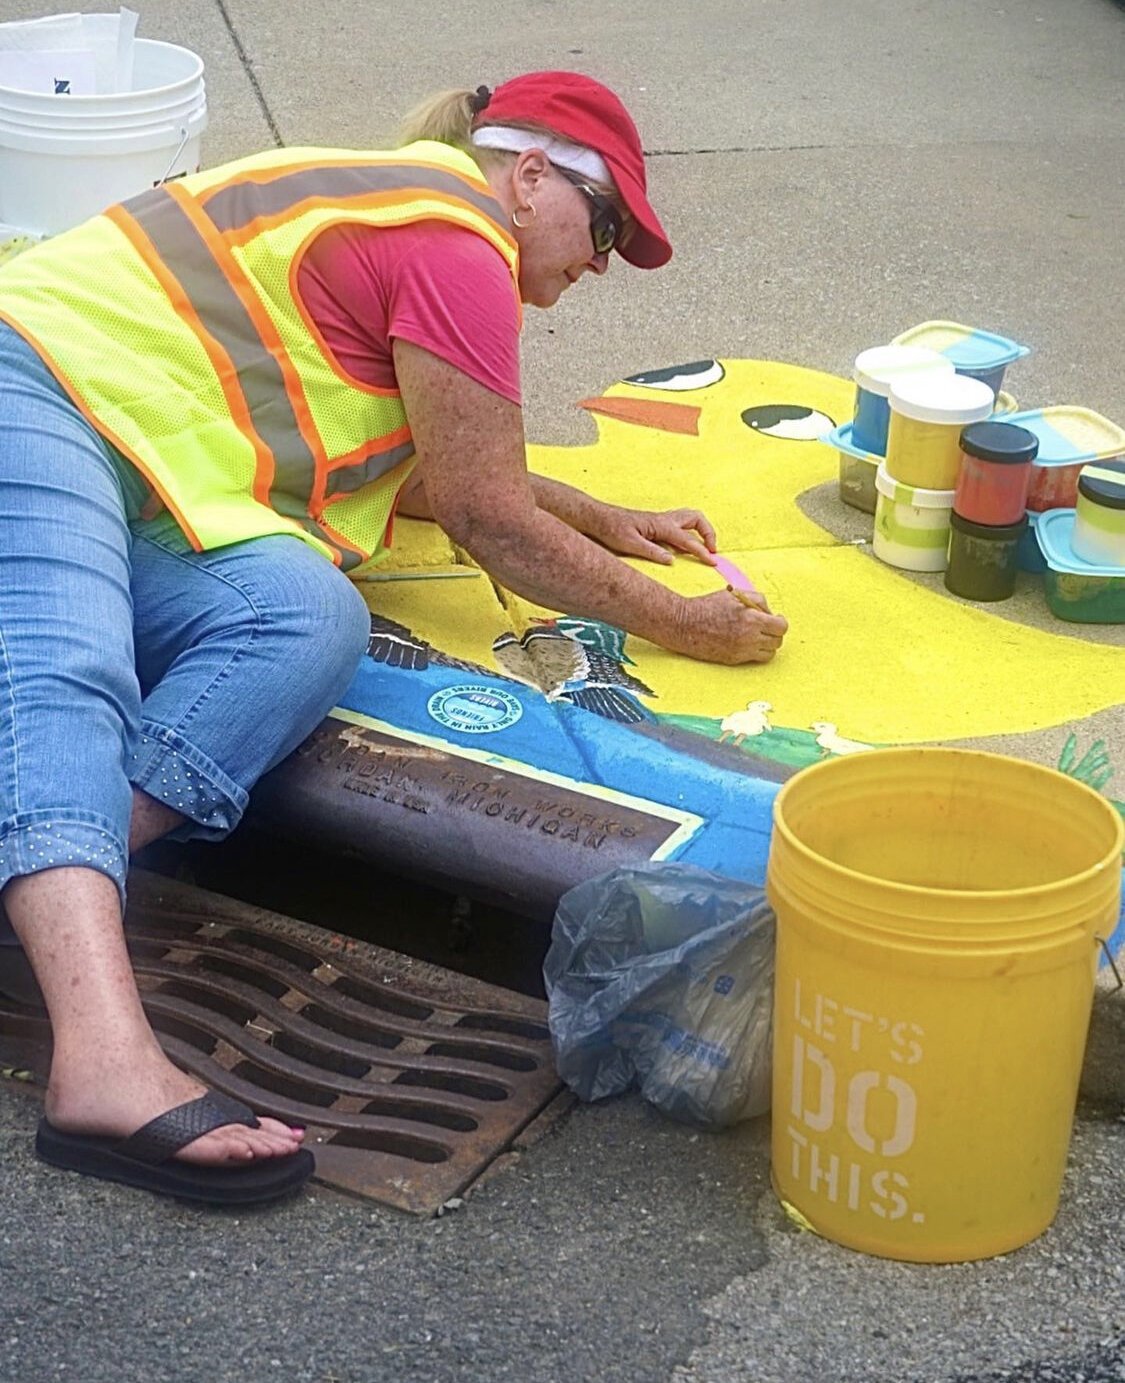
column 173, row 322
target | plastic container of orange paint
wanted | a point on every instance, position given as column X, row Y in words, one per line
column 995, row 473
column 924, row 435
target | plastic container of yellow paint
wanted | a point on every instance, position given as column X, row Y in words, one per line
column 911, row 524
column 938, row 920
column 927, row 415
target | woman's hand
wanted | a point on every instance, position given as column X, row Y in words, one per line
column 644, row 533
column 719, row 628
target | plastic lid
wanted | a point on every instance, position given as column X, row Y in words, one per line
column 1001, row 532
column 878, row 368
column 914, row 495
column 1004, row 442
column 1103, row 484
column 968, row 348
column 841, row 438
column 942, row 399
column 1055, row 532
column 1069, row 435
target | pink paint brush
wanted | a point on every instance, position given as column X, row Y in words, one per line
column 740, row 585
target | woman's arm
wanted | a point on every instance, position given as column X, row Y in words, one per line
column 630, row 532
column 471, row 463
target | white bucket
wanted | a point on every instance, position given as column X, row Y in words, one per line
column 65, row 158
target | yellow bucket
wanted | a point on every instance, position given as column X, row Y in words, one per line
column 938, row 920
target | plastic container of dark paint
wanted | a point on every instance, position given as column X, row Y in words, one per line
column 995, row 472
column 983, row 558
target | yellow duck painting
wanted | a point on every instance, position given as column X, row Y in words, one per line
column 886, row 657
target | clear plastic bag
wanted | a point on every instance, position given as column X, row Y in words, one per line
column 660, row 977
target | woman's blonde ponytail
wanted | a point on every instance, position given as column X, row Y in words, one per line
column 446, row 117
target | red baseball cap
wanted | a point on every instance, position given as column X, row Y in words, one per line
column 585, row 112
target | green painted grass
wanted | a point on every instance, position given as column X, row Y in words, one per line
column 794, row 748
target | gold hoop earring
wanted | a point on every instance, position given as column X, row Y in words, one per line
column 523, row 225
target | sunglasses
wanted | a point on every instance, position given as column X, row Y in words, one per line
column 605, row 219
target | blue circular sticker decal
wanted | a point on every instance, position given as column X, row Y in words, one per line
column 474, row 710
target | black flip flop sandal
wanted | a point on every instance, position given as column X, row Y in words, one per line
column 145, row 1158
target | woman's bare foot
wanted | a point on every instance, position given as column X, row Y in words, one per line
column 90, row 1098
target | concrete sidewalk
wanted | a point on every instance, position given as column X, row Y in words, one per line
column 828, row 173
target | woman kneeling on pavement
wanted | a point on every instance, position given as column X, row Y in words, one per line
column 211, row 398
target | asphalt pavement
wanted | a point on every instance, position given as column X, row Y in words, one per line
column 829, row 173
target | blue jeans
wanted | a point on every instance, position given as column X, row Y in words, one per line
column 128, row 660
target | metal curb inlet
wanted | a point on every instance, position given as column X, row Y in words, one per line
column 410, row 1079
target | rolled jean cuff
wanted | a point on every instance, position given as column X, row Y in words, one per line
column 33, row 841
column 173, row 771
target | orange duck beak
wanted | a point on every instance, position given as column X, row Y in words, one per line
column 656, row 413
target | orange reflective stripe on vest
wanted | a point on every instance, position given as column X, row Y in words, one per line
column 287, row 483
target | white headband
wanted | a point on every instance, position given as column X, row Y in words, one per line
column 574, row 157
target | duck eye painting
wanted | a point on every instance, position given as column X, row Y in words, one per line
column 680, row 379
column 788, row 420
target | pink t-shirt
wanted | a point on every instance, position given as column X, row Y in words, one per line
column 436, row 285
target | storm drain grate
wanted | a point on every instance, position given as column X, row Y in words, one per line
column 409, row 1078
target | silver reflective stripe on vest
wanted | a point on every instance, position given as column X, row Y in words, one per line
column 235, row 207
column 347, row 479
column 219, row 308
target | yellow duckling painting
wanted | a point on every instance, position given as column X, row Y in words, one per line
column 888, row 657
column 879, row 656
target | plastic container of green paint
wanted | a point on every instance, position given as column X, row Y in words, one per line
column 983, row 558
column 911, row 524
